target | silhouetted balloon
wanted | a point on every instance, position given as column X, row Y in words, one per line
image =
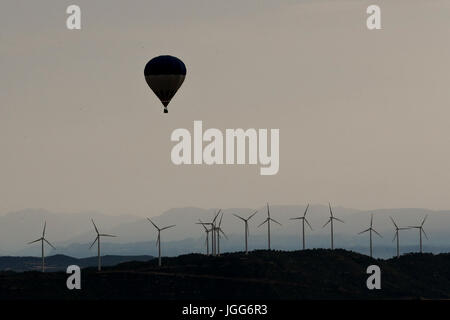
column 165, row 75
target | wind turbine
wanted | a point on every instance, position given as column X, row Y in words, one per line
column 214, row 229
column 397, row 229
column 246, row 228
column 268, row 219
column 303, row 219
column 370, row 233
column 331, row 221
column 421, row 231
column 204, row 224
column 219, row 231
column 158, row 241
column 42, row 239
column 97, row 239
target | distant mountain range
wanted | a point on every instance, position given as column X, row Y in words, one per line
column 72, row 233
column 60, row 262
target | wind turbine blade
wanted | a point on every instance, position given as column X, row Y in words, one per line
column 238, row 217
column 220, row 221
column 218, row 212
column 306, row 210
column 394, row 222
column 107, row 235
column 94, row 242
column 268, row 211
column 203, row 223
column 49, row 243
column 171, row 226
column 43, row 231
column 338, row 219
column 371, row 220
column 296, row 218
column 364, row 231
column 326, row 223
column 158, row 239
column 96, row 230
column 153, row 223
column 308, row 224
column 221, row 231
column 424, row 219
column 35, row 241
column 256, row 211
column 377, row 233
column 263, row 222
column 395, row 236
column 331, row 211
column 275, row 221
column 424, row 233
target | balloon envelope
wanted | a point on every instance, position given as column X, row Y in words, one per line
column 165, row 75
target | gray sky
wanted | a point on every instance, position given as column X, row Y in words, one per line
column 363, row 115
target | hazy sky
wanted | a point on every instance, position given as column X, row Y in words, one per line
column 364, row 116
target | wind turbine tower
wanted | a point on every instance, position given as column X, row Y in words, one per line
column 370, row 233
column 97, row 239
column 42, row 240
column 158, row 239
column 207, row 231
column 218, row 232
column 303, row 220
column 246, row 231
column 214, row 229
column 268, row 220
column 421, row 231
column 330, row 220
column 397, row 229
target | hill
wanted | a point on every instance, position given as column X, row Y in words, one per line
column 60, row 262
column 310, row 274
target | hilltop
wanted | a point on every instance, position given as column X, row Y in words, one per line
column 310, row 274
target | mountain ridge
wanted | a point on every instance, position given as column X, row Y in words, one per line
column 138, row 235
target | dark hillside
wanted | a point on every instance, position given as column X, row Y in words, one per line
column 310, row 274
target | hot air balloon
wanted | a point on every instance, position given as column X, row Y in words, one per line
column 164, row 75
